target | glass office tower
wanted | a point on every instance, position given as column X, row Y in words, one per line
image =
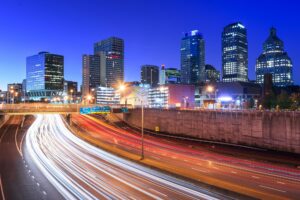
column 44, row 75
column 192, row 58
column 274, row 60
column 90, row 73
column 113, row 69
column 234, row 53
column 150, row 75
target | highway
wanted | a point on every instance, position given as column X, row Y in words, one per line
column 19, row 179
column 257, row 179
column 79, row 170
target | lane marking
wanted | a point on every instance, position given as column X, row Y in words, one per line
column 21, row 144
column 1, row 186
column 16, row 141
column 233, row 172
column 283, row 191
column 279, row 182
column 200, row 170
column 256, row 177
column 155, row 191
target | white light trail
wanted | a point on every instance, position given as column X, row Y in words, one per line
column 81, row 171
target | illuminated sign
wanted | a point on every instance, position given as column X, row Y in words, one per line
column 95, row 110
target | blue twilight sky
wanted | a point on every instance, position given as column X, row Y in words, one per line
column 152, row 30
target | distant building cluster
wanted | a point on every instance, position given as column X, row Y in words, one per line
column 194, row 84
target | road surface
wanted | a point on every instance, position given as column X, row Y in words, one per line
column 79, row 170
column 257, row 179
column 19, row 180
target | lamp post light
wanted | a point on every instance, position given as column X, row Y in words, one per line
column 122, row 88
column 71, row 91
column 211, row 89
column 89, row 98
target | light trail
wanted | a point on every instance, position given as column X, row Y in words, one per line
column 81, row 171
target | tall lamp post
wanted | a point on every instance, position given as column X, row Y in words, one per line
column 142, row 124
column 142, row 153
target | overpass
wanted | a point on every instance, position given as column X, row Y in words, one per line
column 44, row 108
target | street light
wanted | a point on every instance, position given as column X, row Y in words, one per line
column 142, row 123
column 122, row 88
column 89, row 98
column 211, row 89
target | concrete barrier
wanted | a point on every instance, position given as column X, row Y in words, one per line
column 3, row 119
column 264, row 129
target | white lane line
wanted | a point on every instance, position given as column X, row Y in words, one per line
column 1, row 186
column 157, row 192
column 262, row 186
column 256, row 177
column 21, row 144
column 16, row 142
column 200, row 170
column 234, row 172
column 280, row 182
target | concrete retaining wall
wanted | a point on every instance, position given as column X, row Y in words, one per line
column 3, row 118
column 271, row 130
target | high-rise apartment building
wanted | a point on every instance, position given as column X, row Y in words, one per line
column 112, row 68
column 44, row 75
column 90, row 73
column 234, row 53
column 274, row 60
column 150, row 75
column 192, row 58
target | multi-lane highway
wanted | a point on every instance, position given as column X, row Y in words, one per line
column 19, row 179
column 258, row 179
column 79, row 170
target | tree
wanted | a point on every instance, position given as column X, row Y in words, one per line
column 295, row 101
column 284, row 101
column 269, row 101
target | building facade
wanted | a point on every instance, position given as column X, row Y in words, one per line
column 112, row 67
column 15, row 92
column 170, row 76
column 211, row 74
column 274, row 60
column 44, row 75
column 90, row 73
column 70, row 88
column 150, row 75
column 172, row 96
column 192, row 58
column 234, row 53
column 107, row 96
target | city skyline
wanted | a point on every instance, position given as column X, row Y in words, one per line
column 141, row 46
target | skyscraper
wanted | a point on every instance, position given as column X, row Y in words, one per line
column 274, row 60
column 150, row 75
column 44, row 75
column 192, row 58
column 90, row 73
column 112, row 69
column 234, row 53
